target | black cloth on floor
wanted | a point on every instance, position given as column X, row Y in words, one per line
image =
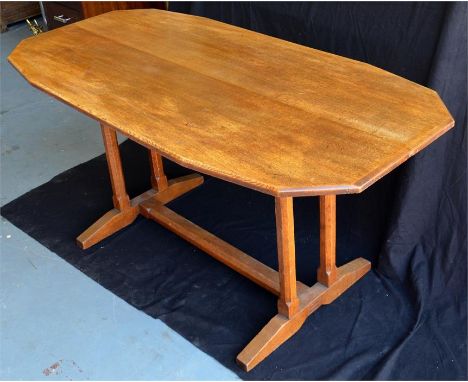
column 406, row 319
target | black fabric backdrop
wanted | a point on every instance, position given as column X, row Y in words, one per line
column 405, row 320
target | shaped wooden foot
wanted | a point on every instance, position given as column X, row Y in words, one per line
column 109, row 223
column 280, row 328
column 116, row 219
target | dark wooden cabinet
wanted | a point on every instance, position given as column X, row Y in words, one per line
column 57, row 14
column 60, row 13
column 14, row 11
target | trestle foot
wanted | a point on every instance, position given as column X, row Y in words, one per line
column 116, row 219
column 279, row 329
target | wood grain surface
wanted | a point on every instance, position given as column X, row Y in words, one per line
column 271, row 115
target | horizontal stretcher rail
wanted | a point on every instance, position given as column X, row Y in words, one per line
column 214, row 246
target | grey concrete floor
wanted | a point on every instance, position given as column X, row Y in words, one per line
column 56, row 323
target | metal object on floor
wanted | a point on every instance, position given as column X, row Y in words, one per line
column 34, row 27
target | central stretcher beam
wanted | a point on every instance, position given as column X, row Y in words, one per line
column 229, row 255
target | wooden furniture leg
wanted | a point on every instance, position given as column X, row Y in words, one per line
column 125, row 210
column 158, row 178
column 326, row 274
column 288, row 303
column 331, row 284
column 122, row 214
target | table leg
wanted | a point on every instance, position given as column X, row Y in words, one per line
column 158, row 178
column 122, row 214
column 288, row 303
column 125, row 210
column 332, row 282
column 326, row 274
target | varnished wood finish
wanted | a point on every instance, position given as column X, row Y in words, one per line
column 326, row 274
column 115, row 219
column 309, row 122
column 111, row 145
column 214, row 246
column 292, row 310
column 158, row 179
column 288, row 302
column 126, row 211
column 277, row 117
column 110, row 223
column 122, row 214
column 280, row 328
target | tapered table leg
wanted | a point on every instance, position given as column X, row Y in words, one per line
column 326, row 274
column 288, row 303
column 158, row 178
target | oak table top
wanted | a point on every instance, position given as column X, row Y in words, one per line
column 268, row 114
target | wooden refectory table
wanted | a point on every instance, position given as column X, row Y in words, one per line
column 264, row 113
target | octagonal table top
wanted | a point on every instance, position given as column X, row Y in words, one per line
column 258, row 111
